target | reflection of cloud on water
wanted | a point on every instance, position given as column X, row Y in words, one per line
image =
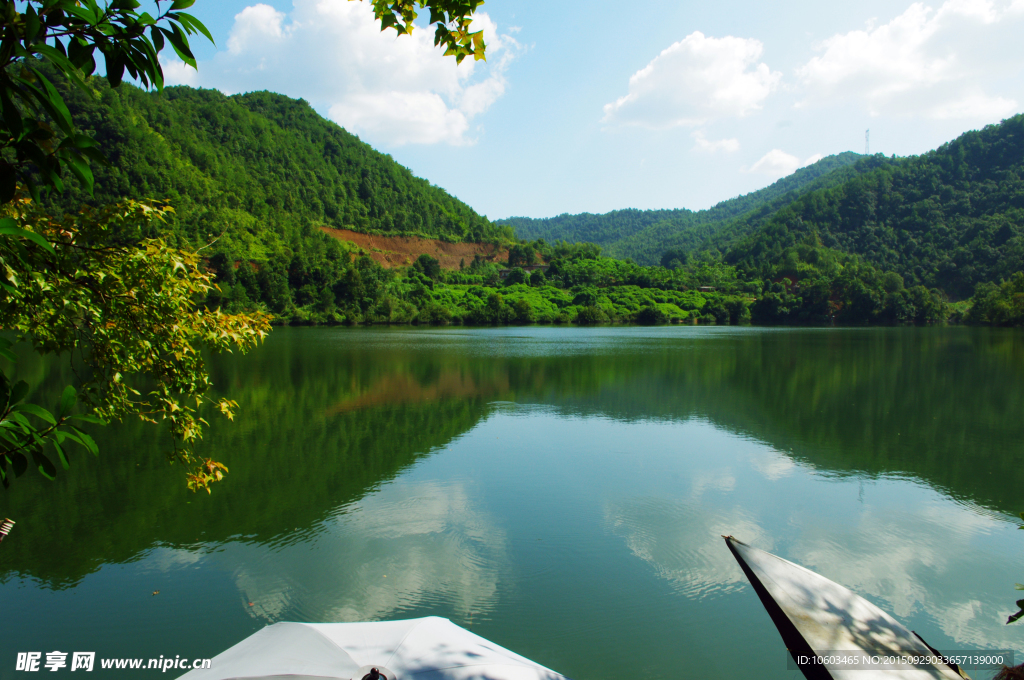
column 683, row 541
column 934, row 563
column 722, row 481
column 772, row 465
column 166, row 559
column 891, row 559
column 407, row 545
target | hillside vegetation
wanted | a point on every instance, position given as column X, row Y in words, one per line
column 948, row 219
column 260, row 170
column 644, row 235
column 851, row 239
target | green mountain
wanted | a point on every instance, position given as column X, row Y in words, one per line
column 260, row 170
column 644, row 235
column 948, row 219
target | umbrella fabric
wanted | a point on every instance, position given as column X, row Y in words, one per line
column 430, row 648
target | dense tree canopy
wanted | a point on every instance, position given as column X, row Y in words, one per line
column 643, row 235
column 259, row 171
column 949, row 219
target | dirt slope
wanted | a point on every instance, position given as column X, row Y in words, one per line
column 401, row 251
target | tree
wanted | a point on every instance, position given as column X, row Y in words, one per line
column 451, row 19
column 121, row 311
column 129, row 308
column 516, row 275
column 428, row 265
column 519, row 255
column 66, row 34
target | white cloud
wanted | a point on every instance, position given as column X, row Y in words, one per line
column 777, row 163
column 390, row 89
column 256, row 25
column 177, row 72
column 401, row 117
column 702, row 143
column 924, row 62
column 696, row 80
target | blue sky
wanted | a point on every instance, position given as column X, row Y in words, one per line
column 591, row 107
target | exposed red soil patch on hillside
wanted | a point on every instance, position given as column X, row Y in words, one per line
column 401, row 251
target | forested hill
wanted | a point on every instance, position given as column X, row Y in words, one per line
column 645, row 234
column 949, row 219
column 262, row 169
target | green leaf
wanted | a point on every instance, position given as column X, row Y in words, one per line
column 37, row 411
column 63, row 457
column 17, row 421
column 18, row 392
column 182, row 4
column 67, row 400
column 12, row 117
column 82, row 171
column 197, row 25
column 45, row 465
column 115, row 67
column 18, row 462
column 55, row 105
column 62, row 435
column 86, row 441
column 157, row 38
column 180, row 44
column 33, row 190
column 31, row 23
column 8, row 227
column 81, row 12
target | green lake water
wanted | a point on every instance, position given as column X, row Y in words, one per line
column 561, row 491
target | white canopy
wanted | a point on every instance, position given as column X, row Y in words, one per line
column 430, row 648
column 832, row 621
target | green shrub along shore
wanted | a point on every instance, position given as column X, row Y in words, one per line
column 810, row 285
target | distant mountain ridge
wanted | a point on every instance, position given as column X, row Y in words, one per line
column 644, row 235
column 948, row 219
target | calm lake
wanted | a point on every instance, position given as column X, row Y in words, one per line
column 560, row 491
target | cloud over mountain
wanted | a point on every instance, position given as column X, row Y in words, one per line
column 696, row 80
column 390, row 89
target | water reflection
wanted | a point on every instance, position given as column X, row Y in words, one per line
column 520, row 478
column 928, row 562
column 405, row 546
column 682, row 541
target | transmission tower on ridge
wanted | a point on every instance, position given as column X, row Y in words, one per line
column 867, row 142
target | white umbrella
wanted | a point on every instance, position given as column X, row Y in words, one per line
column 430, row 648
